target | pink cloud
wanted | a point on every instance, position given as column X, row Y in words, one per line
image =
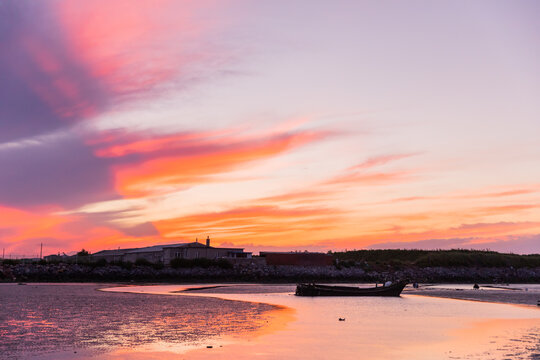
column 178, row 160
column 380, row 160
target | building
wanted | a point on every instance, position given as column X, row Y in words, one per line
column 297, row 258
column 165, row 253
column 57, row 258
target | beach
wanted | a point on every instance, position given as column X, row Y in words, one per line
column 269, row 322
column 522, row 294
column 411, row 327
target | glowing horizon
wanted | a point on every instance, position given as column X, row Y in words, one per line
column 269, row 125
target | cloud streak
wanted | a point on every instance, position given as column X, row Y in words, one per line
column 178, row 163
column 524, row 244
column 272, row 223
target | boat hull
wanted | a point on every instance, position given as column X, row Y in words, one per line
column 326, row 290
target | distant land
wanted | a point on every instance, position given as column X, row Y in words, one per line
column 349, row 266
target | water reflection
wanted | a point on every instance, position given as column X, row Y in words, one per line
column 38, row 319
column 135, row 323
column 409, row 327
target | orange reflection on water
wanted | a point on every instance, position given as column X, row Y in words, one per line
column 410, row 327
column 489, row 339
column 222, row 347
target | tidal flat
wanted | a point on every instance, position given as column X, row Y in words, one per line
column 246, row 321
column 76, row 320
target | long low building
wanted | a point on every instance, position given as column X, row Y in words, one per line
column 165, row 253
column 297, row 258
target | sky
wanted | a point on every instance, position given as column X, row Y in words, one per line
column 269, row 125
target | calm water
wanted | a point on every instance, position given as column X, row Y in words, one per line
column 36, row 320
column 154, row 322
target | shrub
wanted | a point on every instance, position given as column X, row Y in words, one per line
column 142, row 262
column 10, row 262
column 224, row 264
column 202, row 263
column 99, row 263
column 445, row 258
column 83, row 253
column 123, row 264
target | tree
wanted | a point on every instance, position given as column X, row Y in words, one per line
column 83, row 253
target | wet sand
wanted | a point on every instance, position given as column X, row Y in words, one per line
column 268, row 322
column 510, row 295
column 409, row 327
column 67, row 321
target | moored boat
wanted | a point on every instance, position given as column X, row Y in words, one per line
column 327, row 290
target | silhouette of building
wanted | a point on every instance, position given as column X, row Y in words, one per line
column 296, row 258
column 165, row 253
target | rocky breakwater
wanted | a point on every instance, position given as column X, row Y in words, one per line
column 260, row 273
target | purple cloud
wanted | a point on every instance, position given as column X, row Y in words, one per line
column 43, row 87
column 61, row 172
column 520, row 244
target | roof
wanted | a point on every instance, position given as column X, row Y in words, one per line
column 262, row 253
column 157, row 248
column 154, row 248
column 112, row 252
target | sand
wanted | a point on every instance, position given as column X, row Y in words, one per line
column 409, row 327
column 487, row 294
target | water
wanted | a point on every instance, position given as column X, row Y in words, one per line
column 36, row 320
column 155, row 322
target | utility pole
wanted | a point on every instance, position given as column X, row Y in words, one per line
column 41, row 252
column 3, row 252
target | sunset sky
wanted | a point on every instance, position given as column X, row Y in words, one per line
column 269, row 125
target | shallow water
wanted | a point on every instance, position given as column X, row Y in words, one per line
column 158, row 322
column 40, row 319
column 490, row 287
column 408, row 327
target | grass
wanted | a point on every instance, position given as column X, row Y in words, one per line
column 430, row 258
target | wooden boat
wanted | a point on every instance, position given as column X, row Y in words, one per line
column 327, row 290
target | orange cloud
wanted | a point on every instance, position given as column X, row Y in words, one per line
column 492, row 229
column 21, row 232
column 205, row 163
column 510, row 193
column 370, row 179
column 24, row 224
column 122, row 147
column 499, row 194
column 393, row 238
column 379, row 160
column 263, row 223
column 300, row 197
column 505, row 209
column 357, row 175
column 411, row 198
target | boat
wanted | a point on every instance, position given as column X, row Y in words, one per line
column 327, row 290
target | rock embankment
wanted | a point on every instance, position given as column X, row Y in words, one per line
column 260, row 273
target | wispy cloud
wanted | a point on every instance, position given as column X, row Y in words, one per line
column 379, row 161
column 181, row 163
column 482, row 194
column 521, row 244
column 66, row 62
column 505, row 209
column 362, row 174
column 451, row 236
column 249, row 223
column 372, row 179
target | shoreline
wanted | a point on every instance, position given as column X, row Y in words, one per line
column 498, row 295
column 263, row 274
column 299, row 327
column 311, row 318
column 510, row 297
